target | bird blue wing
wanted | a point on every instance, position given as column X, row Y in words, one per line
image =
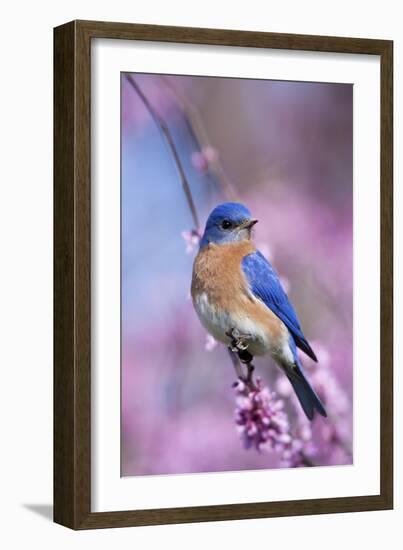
column 266, row 286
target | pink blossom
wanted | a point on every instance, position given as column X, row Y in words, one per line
column 263, row 424
column 203, row 160
column 192, row 240
column 211, row 343
column 334, row 432
column 301, row 450
column 260, row 417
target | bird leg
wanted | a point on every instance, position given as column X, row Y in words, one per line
column 239, row 346
column 237, row 364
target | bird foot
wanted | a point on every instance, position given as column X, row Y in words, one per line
column 240, row 355
column 239, row 344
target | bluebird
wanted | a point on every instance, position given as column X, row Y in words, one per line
column 235, row 290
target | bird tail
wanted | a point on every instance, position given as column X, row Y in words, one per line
column 306, row 395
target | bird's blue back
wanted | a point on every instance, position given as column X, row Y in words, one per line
column 265, row 285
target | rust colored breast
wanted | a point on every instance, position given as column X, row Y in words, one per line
column 217, row 271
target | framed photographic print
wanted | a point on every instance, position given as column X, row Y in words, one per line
column 222, row 275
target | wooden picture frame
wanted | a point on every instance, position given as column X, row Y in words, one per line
column 72, row 271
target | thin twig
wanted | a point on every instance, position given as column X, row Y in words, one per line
column 236, row 363
column 166, row 132
column 200, row 137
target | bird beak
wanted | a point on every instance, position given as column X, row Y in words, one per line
column 248, row 224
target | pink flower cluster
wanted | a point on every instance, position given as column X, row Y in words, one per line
column 263, row 424
column 301, row 450
column 333, row 433
column 260, row 417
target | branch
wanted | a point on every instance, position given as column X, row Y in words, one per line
column 239, row 354
column 200, row 137
column 236, row 363
column 169, row 139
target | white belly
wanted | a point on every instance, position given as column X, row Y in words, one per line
column 219, row 323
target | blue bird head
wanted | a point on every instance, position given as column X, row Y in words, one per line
column 228, row 222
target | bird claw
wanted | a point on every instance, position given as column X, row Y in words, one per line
column 240, row 355
column 239, row 344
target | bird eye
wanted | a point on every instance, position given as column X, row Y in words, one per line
column 226, row 224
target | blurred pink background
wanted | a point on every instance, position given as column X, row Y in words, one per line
column 286, row 148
